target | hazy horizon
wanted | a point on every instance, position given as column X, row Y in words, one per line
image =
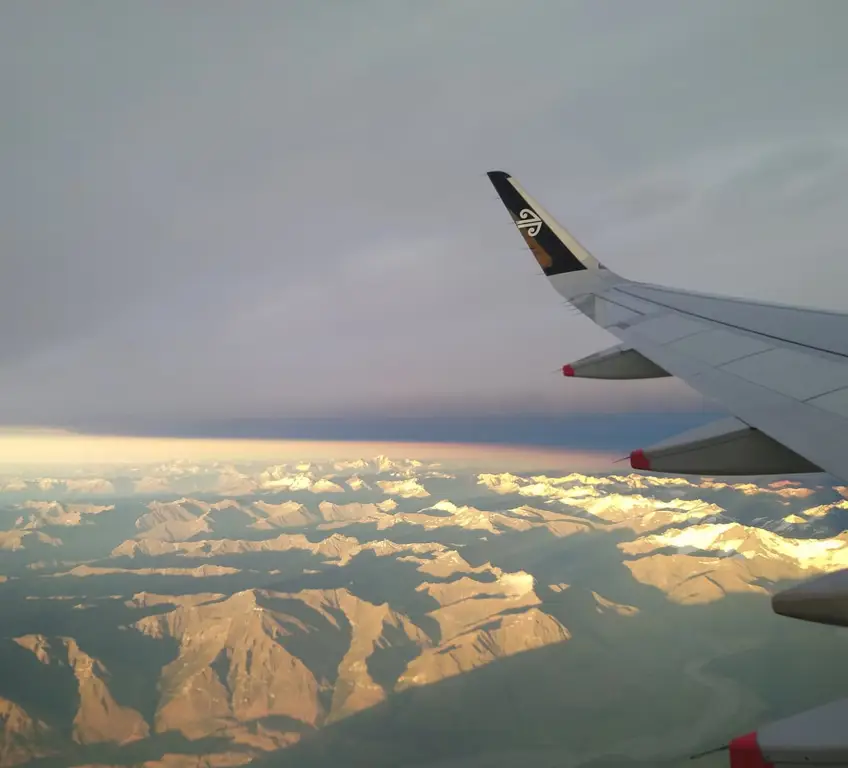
column 33, row 448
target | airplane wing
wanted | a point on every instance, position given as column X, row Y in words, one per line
column 781, row 371
column 782, row 374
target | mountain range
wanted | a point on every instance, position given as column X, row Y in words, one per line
column 388, row 612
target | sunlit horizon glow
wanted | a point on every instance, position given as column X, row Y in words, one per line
column 37, row 447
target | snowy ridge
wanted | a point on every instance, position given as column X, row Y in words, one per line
column 749, row 542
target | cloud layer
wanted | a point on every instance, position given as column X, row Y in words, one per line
column 273, row 211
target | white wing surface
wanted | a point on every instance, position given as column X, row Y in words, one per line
column 781, row 371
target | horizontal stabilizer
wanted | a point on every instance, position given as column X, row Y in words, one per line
column 823, row 600
column 619, row 362
column 815, row 737
column 725, row 447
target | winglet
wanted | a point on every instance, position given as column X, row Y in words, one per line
column 554, row 248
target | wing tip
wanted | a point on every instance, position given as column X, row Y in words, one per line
column 500, row 181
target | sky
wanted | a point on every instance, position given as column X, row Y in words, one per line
column 251, row 213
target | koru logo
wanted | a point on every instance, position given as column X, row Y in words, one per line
column 527, row 219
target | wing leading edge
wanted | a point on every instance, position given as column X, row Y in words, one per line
column 782, row 371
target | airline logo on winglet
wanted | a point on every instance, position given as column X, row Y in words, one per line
column 527, row 219
column 555, row 255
